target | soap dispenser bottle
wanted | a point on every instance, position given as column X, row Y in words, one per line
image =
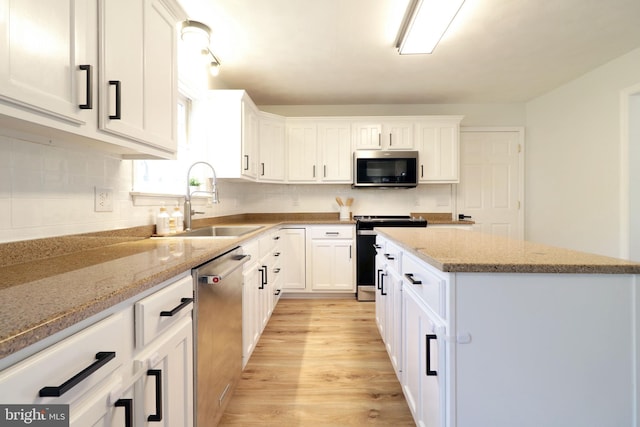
column 178, row 219
column 162, row 222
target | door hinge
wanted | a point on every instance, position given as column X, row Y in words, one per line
column 519, row 148
column 518, row 204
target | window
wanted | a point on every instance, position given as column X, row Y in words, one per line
column 167, row 176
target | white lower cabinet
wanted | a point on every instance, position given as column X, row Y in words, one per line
column 331, row 260
column 109, row 380
column 262, row 287
column 294, row 250
column 510, row 349
column 424, row 364
column 252, row 287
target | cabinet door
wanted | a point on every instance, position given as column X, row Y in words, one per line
column 294, row 253
column 105, row 408
column 381, row 294
column 397, row 135
column 332, row 265
column 138, row 80
column 394, row 321
column 250, row 310
column 367, row 136
column 334, row 142
column 271, row 150
column 250, row 134
column 302, row 152
column 42, row 45
column 424, row 364
column 438, row 146
column 164, row 394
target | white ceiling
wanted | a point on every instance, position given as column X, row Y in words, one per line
column 288, row 52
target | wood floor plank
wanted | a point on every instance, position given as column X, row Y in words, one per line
column 319, row 363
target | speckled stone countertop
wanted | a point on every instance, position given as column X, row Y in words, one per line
column 463, row 251
column 47, row 285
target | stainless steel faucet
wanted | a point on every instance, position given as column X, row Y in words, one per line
column 188, row 211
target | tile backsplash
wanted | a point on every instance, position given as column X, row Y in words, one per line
column 48, row 191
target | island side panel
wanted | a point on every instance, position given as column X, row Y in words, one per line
column 545, row 350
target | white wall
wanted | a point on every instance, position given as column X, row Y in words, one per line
column 572, row 160
column 49, row 191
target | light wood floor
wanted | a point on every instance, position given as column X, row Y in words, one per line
column 319, row 363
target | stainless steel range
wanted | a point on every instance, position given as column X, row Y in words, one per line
column 366, row 253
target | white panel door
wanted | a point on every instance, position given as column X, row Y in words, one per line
column 491, row 181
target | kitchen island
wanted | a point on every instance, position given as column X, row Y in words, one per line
column 511, row 332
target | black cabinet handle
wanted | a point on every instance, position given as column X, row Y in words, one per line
column 379, row 278
column 276, row 254
column 262, row 174
column 421, row 171
column 246, row 162
column 276, row 270
column 389, row 257
column 430, row 373
column 324, row 171
column 263, row 276
column 183, row 303
column 116, row 83
column 413, row 281
column 158, row 374
column 88, row 105
column 278, row 292
column 382, row 292
column 127, row 404
column 462, row 217
column 314, row 171
column 102, row 358
column 276, row 237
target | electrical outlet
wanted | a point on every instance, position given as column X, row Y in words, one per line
column 104, row 199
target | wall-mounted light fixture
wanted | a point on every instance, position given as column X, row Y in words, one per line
column 198, row 35
column 425, row 24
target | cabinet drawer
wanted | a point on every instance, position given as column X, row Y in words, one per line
column 428, row 285
column 53, row 367
column 393, row 256
column 332, row 232
column 153, row 313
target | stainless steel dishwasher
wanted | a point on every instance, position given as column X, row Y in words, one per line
column 218, row 323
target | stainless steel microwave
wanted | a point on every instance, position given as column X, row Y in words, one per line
column 385, row 168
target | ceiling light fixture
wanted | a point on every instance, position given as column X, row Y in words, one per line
column 198, row 35
column 425, row 24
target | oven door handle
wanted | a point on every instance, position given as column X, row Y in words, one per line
column 366, row 233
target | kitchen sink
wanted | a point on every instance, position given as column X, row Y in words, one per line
column 220, row 231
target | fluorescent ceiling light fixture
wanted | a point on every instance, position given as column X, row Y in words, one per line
column 426, row 23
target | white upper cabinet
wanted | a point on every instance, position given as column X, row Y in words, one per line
column 438, row 143
column 42, row 47
column 319, row 150
column 334, row 154
column 138, row 50
column 271, row 147
column 227, row 121
column 302, row 147
column 383, row 135
column 101, row 74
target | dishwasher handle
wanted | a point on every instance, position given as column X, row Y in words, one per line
column 215, row 279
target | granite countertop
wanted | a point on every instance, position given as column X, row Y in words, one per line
column 463, row 251
column 48, row 285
